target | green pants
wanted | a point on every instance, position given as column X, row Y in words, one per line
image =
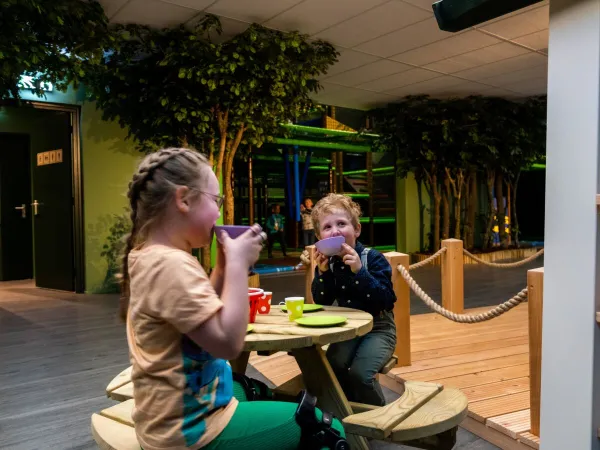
column 262, row 425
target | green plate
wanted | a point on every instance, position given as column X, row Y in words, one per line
column 321, row 321
column 250, row 328
column 308, row 307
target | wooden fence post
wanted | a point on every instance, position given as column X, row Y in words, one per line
column 535, row 294
column 453, row 276
column 310, row 274
column 401, row 308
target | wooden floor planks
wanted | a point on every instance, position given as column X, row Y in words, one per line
column 489, row 362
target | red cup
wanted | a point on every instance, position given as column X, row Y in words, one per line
column 264, row 303
column 254, row 295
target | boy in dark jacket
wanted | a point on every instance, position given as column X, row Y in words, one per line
column 359, row 278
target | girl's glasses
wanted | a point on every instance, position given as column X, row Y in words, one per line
column 217, row 198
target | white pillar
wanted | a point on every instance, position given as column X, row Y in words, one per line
column 571, row 343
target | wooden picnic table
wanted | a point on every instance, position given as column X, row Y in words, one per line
column 425, row 416
column 274, row 332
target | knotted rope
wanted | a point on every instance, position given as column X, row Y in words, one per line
column 461, row 318
column 503, row 265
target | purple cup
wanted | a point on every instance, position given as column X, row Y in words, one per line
column 330, row 246
column 232, row 230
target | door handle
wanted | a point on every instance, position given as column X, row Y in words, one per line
column 23, row 209
column 35, row 205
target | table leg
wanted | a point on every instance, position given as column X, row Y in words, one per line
column 321, row 382
column 239, row 364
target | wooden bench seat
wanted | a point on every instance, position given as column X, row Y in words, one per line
column 425, row 416
column 112, row 428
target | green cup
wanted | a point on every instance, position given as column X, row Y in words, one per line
column 295, row 307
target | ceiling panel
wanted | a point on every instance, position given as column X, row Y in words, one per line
column 312, row 16
column 373, row 71
column 515, row 13
column 349, row 59
column 517, row 76
column 428, row 86
column 408, row 38
column 537, row 40
column 456, row 45
column 398, row 80
column 198, row 5
column 154, row 13
column 533, row 86
column 383, row 19
column 521, row 62
column 112, row 6
column 351, row 97
column 251, row 11
column 425, row 5
column 479, row 57
column 520, row 24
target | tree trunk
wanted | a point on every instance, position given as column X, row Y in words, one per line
column 205, row 258
column 487, row 240
column 471, row 199
column 419, row 180
column 457, row 188
column 446, row 209
column 228, row 205
column 465, row 230
column 514, row 218
column 501, row 210
column 437, row 199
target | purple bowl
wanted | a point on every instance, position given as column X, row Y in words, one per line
column 330, row 246
column 232, row 230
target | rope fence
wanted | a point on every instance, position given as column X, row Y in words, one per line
column 429, row 260
column 461, row 318
column 503, row 265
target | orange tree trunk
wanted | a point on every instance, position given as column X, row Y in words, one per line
column 491, row 175
column 501, row 210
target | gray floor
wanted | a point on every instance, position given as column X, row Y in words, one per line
column 58, row 351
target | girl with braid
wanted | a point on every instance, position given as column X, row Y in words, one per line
column 183, row 326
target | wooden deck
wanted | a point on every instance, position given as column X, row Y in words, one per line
column 489, row 362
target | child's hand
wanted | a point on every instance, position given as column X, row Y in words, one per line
column 351, row 258
column 245, row 248
column 322, row 261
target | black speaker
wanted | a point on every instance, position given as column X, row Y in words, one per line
column 456, row 15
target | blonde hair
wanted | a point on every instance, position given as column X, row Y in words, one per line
column 150, row 191
column 330, row 203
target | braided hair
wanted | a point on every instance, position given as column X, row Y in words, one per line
column 149, row 194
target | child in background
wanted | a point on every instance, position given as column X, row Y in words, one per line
column 275, row 225
column 183, row 326
column 308, row 230
column 359, row 278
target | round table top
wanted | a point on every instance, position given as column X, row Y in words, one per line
column 274, row 331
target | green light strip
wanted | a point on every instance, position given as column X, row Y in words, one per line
column 378, row 220
column 376, row 170
column 317, row 130
column 323, row 144
column 356, row 195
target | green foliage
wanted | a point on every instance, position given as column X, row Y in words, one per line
column 181, row 86
column 56, row 41
column 112, row 250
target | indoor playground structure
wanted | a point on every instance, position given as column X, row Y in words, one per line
column 310, row 162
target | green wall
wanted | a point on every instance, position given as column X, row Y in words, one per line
column 407, row 215
column 108, row 163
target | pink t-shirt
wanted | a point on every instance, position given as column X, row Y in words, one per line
column 183, row 396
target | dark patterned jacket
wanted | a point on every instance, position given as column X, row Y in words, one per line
column 370, row 289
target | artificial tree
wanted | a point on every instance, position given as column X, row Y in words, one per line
column 56, row 42
column 449, row 144
column 179, row 86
